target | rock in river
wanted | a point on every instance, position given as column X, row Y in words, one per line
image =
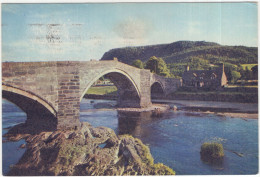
column 86, row 151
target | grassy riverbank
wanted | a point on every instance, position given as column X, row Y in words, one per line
column 102, row 90
column 238, row 94
column 233, row 94
column 234, row 110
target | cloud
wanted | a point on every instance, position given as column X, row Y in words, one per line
column 194, row 28
column 55, row 42
column 132, row 28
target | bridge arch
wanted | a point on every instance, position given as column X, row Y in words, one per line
column 128, row 92
column 39, row 113
column 157, row 90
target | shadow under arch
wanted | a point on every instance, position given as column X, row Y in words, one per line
column 157, row 90
column 128, row 92
column 41, row 116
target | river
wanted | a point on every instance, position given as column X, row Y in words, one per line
column 174, row 138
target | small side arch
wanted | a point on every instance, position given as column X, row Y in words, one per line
column 157, row 90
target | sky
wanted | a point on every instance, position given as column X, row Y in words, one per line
column 81, row 32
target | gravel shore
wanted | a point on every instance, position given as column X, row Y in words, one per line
column 237, row 110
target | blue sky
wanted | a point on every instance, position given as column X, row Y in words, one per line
column 52, row 32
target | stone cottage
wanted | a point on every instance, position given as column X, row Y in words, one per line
column 205, row 78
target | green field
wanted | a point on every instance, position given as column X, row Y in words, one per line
column 249, row 66
column 248, row 86
column 102, row 90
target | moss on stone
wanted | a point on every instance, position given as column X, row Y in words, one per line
column 161, row 169
column 69, row 151
column 147, row 159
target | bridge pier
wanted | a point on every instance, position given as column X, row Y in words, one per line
column 68, row 96
column 41, row 121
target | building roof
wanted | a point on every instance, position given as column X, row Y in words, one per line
column 206, row 74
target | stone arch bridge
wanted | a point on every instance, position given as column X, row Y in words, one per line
column 50, row 92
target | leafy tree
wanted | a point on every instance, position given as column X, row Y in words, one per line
column 255, row 72
column 158, row 66
column 235, row 76
column 138, row 64
column 197, row 63
column 176, row 69
column 228, row 70
column 248, row 74
column 102, row 78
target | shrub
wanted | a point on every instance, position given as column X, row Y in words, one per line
column 212, row 150
column 161, row 169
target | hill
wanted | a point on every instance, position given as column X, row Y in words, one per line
column 184, row 51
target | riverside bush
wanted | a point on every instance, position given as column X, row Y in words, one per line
column 212, row 150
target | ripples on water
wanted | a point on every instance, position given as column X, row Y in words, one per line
column 175, row 137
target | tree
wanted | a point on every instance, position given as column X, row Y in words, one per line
column 255, row 72
column 228, row 70
column 138, row 64
column 235, row 76
column 102, row 78
column 197, row 63
column 248, row 73
column 158, row 66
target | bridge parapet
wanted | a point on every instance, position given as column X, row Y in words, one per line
column 39, row 78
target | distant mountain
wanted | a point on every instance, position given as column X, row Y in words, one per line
column 182, row 51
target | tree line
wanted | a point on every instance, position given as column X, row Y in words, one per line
column 156, row 65
column 175, row 70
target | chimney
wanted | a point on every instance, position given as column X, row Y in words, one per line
column 222, row 67
column 115, row 59
column 187, row 68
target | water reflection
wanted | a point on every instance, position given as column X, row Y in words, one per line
column 132, row 122
column 217, row 163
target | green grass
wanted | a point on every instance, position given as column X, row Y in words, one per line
column 252, row 86
column 248, row 65
column 102, row 90
column 209, row 93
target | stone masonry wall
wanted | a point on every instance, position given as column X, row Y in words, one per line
column 63, row 84
column 145, row 78
column 39, row 78
column 169, row 85
column 68, row 94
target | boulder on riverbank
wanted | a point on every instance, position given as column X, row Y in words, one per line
column 104, row 105
column 156, row 108
column 86, row 151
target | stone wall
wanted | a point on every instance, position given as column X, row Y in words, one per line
column 169, row 85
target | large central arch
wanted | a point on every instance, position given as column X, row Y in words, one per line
column 40, row 114
column 128, row 92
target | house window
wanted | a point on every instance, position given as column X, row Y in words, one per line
column 213, row 76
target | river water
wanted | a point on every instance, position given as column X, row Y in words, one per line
column 174, row 138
